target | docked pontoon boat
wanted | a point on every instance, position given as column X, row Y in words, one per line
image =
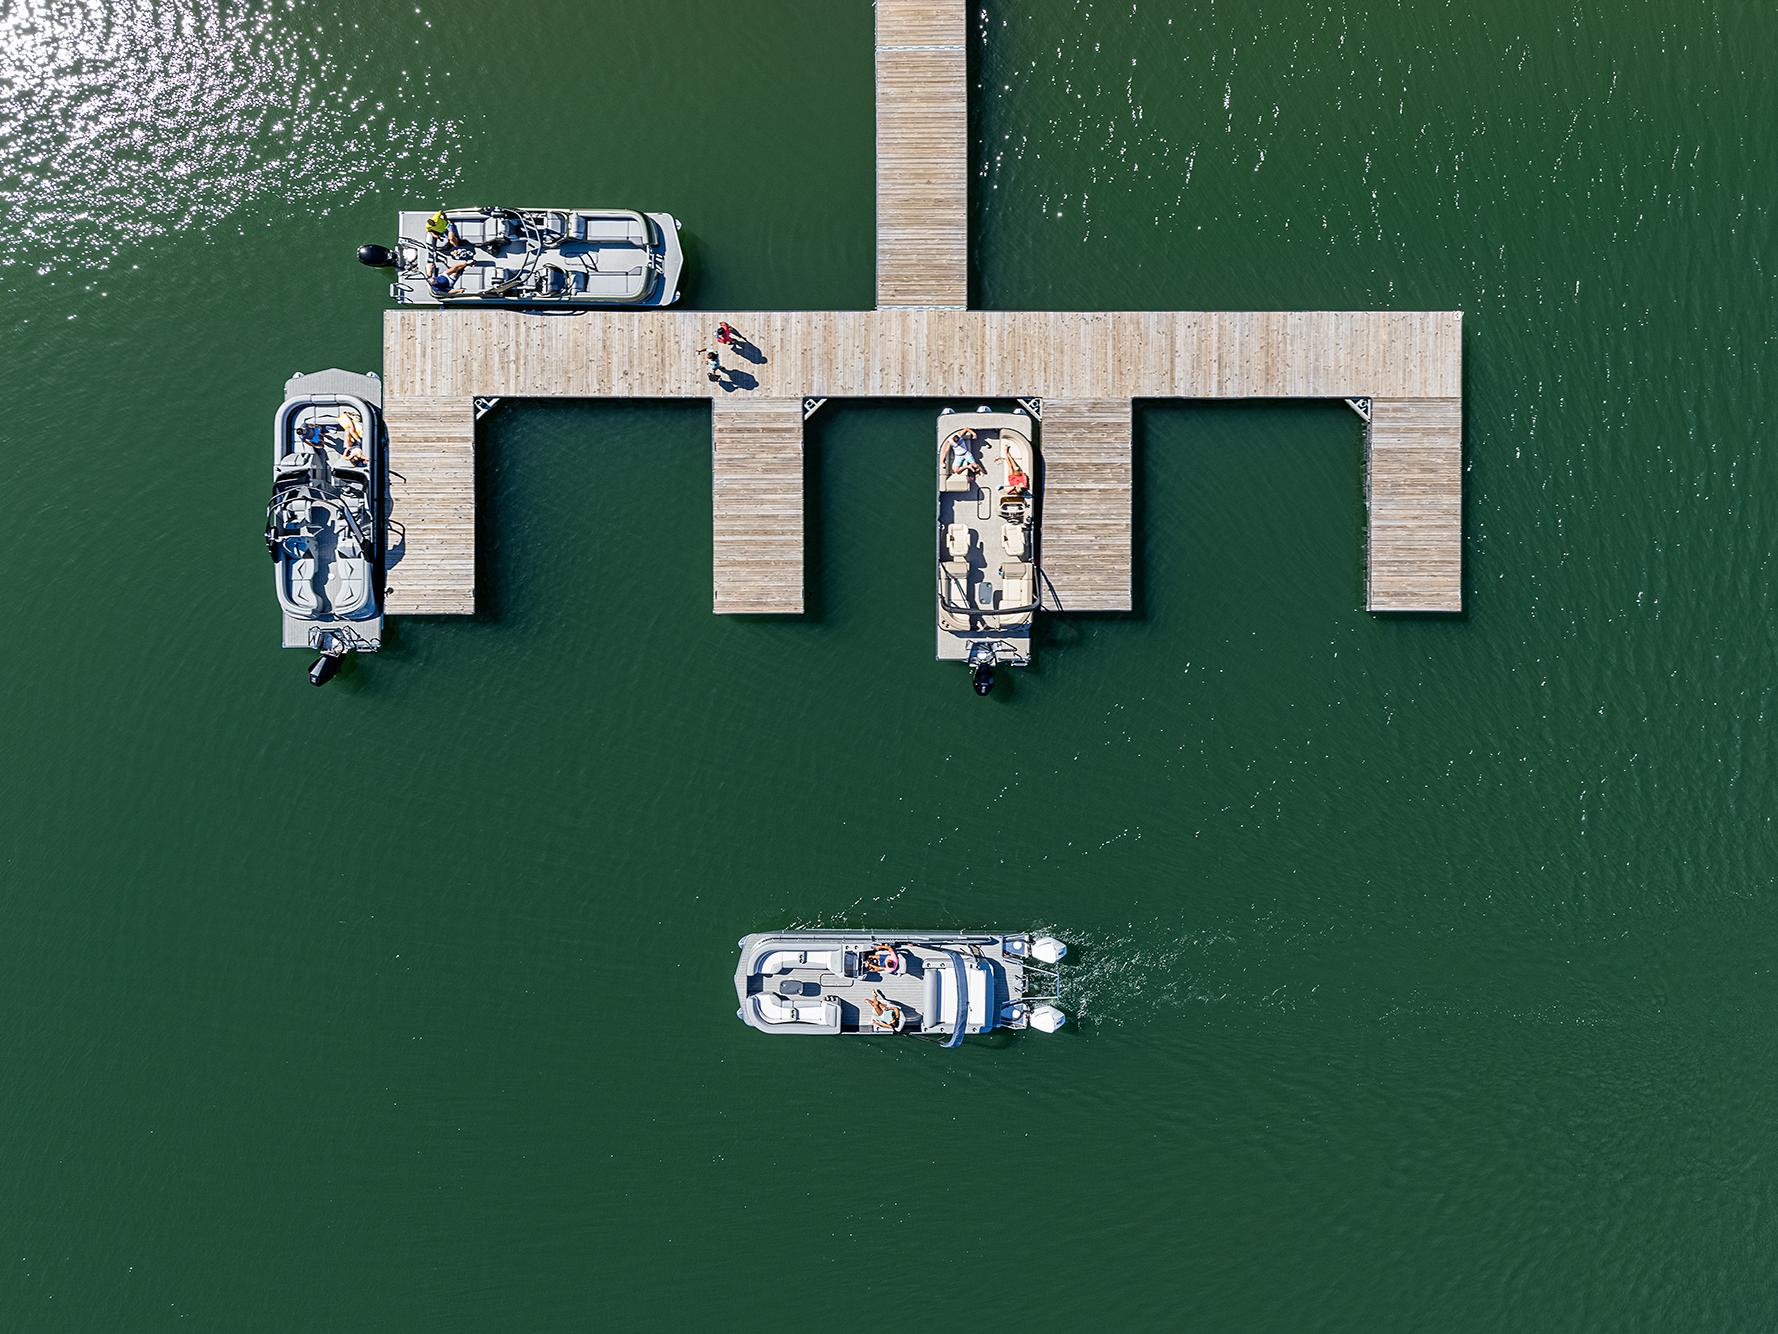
column 939, row 985
column 987, row 541
column 535, row 257
column 324, row 525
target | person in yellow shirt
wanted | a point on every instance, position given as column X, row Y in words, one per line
column 441, row 228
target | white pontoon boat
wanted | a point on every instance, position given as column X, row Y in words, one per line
column 533, row 257
column 987, row 541
column 939, row 985
column 324, row 524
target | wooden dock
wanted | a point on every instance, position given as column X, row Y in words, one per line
column 921, row 342
column 922, row 154
column 431, row 562
column 1414, row 491
column 756, row 496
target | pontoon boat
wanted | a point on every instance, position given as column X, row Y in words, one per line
column 534, row 257
column 987, row 541
column 939, row 985
column 324, row 525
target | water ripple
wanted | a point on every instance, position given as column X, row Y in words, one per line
column 119, row 121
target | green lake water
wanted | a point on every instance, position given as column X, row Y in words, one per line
column 1424, row 965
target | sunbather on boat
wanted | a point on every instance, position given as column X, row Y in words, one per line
column 880, row 959
column 962, row 454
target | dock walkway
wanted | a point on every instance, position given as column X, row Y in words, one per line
column 922, row 154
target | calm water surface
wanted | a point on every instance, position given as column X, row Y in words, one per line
column 1425, row 964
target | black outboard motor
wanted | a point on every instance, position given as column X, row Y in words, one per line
column 377, row 256
column 982, row 678
column 324, row 669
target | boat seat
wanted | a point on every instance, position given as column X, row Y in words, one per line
column 622, row 230
column 1016, row 585
column 956, row 481
column 809, row 1011
column 302, row 584
column 472, row 280
column 957, row 569
column 478, row 228
column 957, row 541
column 782, row 1010
column 1013, row 539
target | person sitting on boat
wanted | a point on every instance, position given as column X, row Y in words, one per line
column 888, row 1015
column 963, row 457
column 352, row 436
column 441, row 228
column 443, row 280
column 880, row 959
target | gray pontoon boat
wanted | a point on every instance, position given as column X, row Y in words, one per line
column 534, row 257
column 939, row 985
column 987, row 541
column 324, row 525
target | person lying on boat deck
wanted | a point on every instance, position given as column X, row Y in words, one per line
column 443, row 281
column 1016, row 479
column 888, row 1016
column 962, row 459
column 443, row 229
column 352, row 446
column 880, row 959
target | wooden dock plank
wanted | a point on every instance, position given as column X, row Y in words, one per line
column 756, row 492
column 922, row 154
column 1084, row 541
column 1414, row 489
column 430, row 570
column 929, row 354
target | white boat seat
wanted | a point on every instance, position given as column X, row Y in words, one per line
column 783, row 961
column 775, row 1009
column 609, row 229
column 1012, row 539
column 1016, row 585
column 472, row 279
column 957, row 541
column 809, row 1011
column 956, row 481
column 477, row 228
column 302, row 584
column 957, row 569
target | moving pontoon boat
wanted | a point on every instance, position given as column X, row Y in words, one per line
column 987, row 541
column 940, row 985
column 324, row 525
column 535, row 257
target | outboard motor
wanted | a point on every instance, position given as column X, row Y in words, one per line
column 981, row 667
column 377, row 256
column 324, row 669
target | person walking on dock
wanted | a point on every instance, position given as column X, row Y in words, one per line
column 735, row 341
column 712, row 362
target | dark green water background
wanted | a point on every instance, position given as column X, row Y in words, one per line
column 1425, row 965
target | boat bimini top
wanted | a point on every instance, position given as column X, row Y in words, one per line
column 987, row 541
column 938, row 985
column 534, row 257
